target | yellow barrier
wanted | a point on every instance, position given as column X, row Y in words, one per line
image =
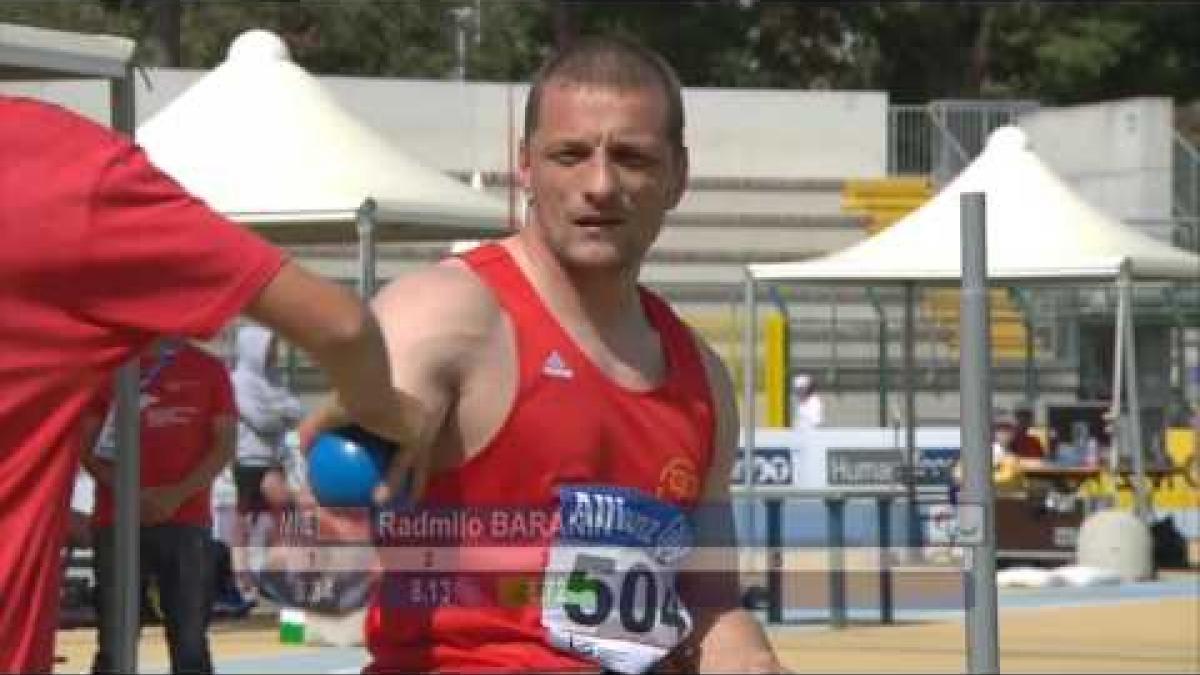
column 775, row 336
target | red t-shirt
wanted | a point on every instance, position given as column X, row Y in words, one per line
column 1027, row 446
column 99, row 252
column 179, row 407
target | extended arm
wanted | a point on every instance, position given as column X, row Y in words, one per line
column 343, row 336
column 434, row 322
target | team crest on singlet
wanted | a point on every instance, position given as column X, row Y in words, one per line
column 679, row 481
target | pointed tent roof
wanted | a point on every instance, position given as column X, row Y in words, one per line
column 1038, row 228
column 261, row 141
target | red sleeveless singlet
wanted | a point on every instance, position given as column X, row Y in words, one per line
column 569, row 424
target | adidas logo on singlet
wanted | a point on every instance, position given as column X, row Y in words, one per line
column 554, row 366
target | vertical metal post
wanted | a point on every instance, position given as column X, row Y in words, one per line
column 833, row 341
column 910, row 415
column 883, row 374
column 749, row 414
column 774, row 508
column 883, row 506
column 124, row 614
column 1031, row 384
column 365, row 222
column 976, row 508
column 883, row 357
column 1118, row 442
column 835, row 508
column 1137, row 452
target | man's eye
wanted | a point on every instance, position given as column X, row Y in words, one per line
column 634, row 160
column 568, row 157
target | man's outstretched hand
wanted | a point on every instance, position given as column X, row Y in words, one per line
column 408, row 468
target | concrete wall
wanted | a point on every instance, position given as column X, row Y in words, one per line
column 745, row 133
column 1117, row 154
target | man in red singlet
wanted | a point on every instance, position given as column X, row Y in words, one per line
column 100, row 253
column 559, row 391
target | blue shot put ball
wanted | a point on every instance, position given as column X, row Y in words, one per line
column 345, row 465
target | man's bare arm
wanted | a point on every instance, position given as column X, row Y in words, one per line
column 727, row 638
column 433, row 323
column 343, row 336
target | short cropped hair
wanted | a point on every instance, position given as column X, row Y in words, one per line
column 609, row 61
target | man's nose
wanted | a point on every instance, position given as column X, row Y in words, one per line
column 601, row 184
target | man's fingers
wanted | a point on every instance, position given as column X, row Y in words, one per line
column 419, row 477
column 328, row 415
column 407, row 475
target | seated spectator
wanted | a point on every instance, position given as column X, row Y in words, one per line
column 1024, row 444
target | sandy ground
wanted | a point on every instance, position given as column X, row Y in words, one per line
column 1160, row 635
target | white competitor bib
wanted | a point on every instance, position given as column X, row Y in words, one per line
column 609, row 589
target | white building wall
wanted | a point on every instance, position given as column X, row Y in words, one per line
column 744, row 133
column 1117, row 154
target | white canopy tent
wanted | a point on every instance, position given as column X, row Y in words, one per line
column 1038, row 230
column 264, row 143
column 38, row 53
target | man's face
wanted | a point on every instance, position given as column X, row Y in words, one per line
column 601, row 173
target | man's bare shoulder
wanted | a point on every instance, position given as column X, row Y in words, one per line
column 448, row 292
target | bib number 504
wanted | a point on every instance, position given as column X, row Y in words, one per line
column 594, row 575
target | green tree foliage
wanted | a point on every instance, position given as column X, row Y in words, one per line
column 917, row 51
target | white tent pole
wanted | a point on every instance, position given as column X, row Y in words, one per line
column 1141, row 498
column 124, row 612
column 365, row 221
column 1118, row 422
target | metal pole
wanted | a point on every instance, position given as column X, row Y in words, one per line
column 1179, row 346
column 883, row 356
column 883, row 373
column 1117, row 441
column 883, row 510
column 1031, row 385
column 124, row 614
column 910, row 415
column 976, row 509
column 749, row 364
column 1141, row 497
column 833, row 339
column 835, row 508
column 774, row 509
column 365, row 221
